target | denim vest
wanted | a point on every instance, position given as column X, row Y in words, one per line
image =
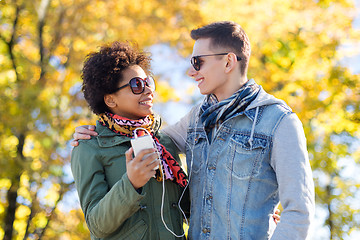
column 233, row 187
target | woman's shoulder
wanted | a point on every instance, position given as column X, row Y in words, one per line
column 88, row 147
column 103, row 144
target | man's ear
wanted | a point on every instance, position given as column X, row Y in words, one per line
column 231, row 62
column 109, row 100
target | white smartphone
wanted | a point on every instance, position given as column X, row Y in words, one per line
column 143, row 142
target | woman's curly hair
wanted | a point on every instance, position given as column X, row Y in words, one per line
column 103, row 69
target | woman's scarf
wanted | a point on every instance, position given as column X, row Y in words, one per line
column 126, row 127
column 215, row 112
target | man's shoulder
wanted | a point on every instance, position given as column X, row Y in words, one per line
column 195, row 109
column 281, row 108
column 265, row 99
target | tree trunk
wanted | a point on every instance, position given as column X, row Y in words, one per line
column 11, row 209
column 12, row 193
column 330, row 217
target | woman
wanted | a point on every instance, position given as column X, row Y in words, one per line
column 121, row 195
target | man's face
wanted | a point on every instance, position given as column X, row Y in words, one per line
column 211, row 77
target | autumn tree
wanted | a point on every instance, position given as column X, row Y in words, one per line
column 296, row 55
column 42, row 46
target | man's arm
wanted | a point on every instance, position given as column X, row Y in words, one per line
column 289, row 158
column 178, row 131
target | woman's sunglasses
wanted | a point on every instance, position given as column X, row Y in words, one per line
column 196, row 62
column 137, row 84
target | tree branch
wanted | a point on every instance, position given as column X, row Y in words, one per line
column 61, row 194
column 32, row 213
column 44, row 6
column 11, row 42
column 58, row 33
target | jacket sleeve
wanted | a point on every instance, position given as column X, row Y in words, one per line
column 289, row 158
column 178, row 131
column 105, row 209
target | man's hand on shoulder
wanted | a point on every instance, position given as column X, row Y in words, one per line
column 83, row 132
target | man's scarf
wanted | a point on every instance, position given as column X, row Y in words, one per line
column 215, row 112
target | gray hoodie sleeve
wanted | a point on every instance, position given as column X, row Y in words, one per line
column 177, row 132
column 289, row 158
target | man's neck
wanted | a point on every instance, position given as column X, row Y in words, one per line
column 234, row 85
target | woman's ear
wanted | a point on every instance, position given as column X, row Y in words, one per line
column 231, row 62
column 109, row 101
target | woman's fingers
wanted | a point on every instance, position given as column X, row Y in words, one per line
column 142, row 167
column 128, row 154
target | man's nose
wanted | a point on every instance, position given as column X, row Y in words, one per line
column 191, row 72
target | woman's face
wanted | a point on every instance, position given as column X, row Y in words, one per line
column 127, row 104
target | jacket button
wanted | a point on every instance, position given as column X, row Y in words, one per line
column 174, row 205
column 209, row 197
column 142, row 207
column 206, row 230
column 211, row 168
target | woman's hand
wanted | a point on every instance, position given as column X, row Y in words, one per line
column 140, row 169
column 83, row 132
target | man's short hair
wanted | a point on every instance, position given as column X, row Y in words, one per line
column 228, row 36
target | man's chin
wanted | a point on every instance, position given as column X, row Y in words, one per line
column 204, row 91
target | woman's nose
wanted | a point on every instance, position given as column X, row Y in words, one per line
column 148, row 90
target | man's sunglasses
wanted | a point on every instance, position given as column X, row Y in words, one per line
column 196, row 63
column 137, row 84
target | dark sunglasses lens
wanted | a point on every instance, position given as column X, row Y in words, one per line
column 195, row 62
column 137, row 86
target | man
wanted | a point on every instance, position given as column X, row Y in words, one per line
column 245, row 149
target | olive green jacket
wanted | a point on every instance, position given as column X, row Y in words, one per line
column 113, row 209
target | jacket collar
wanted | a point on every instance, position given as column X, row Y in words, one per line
column 107, row 138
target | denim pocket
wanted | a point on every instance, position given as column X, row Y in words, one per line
column 245, row 157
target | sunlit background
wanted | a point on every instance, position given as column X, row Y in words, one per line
column 305, row 52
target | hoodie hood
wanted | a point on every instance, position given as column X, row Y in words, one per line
column 263, row 99
column 256, row 106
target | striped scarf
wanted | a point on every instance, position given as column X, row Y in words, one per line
column 215, row 112
column 126, row 127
